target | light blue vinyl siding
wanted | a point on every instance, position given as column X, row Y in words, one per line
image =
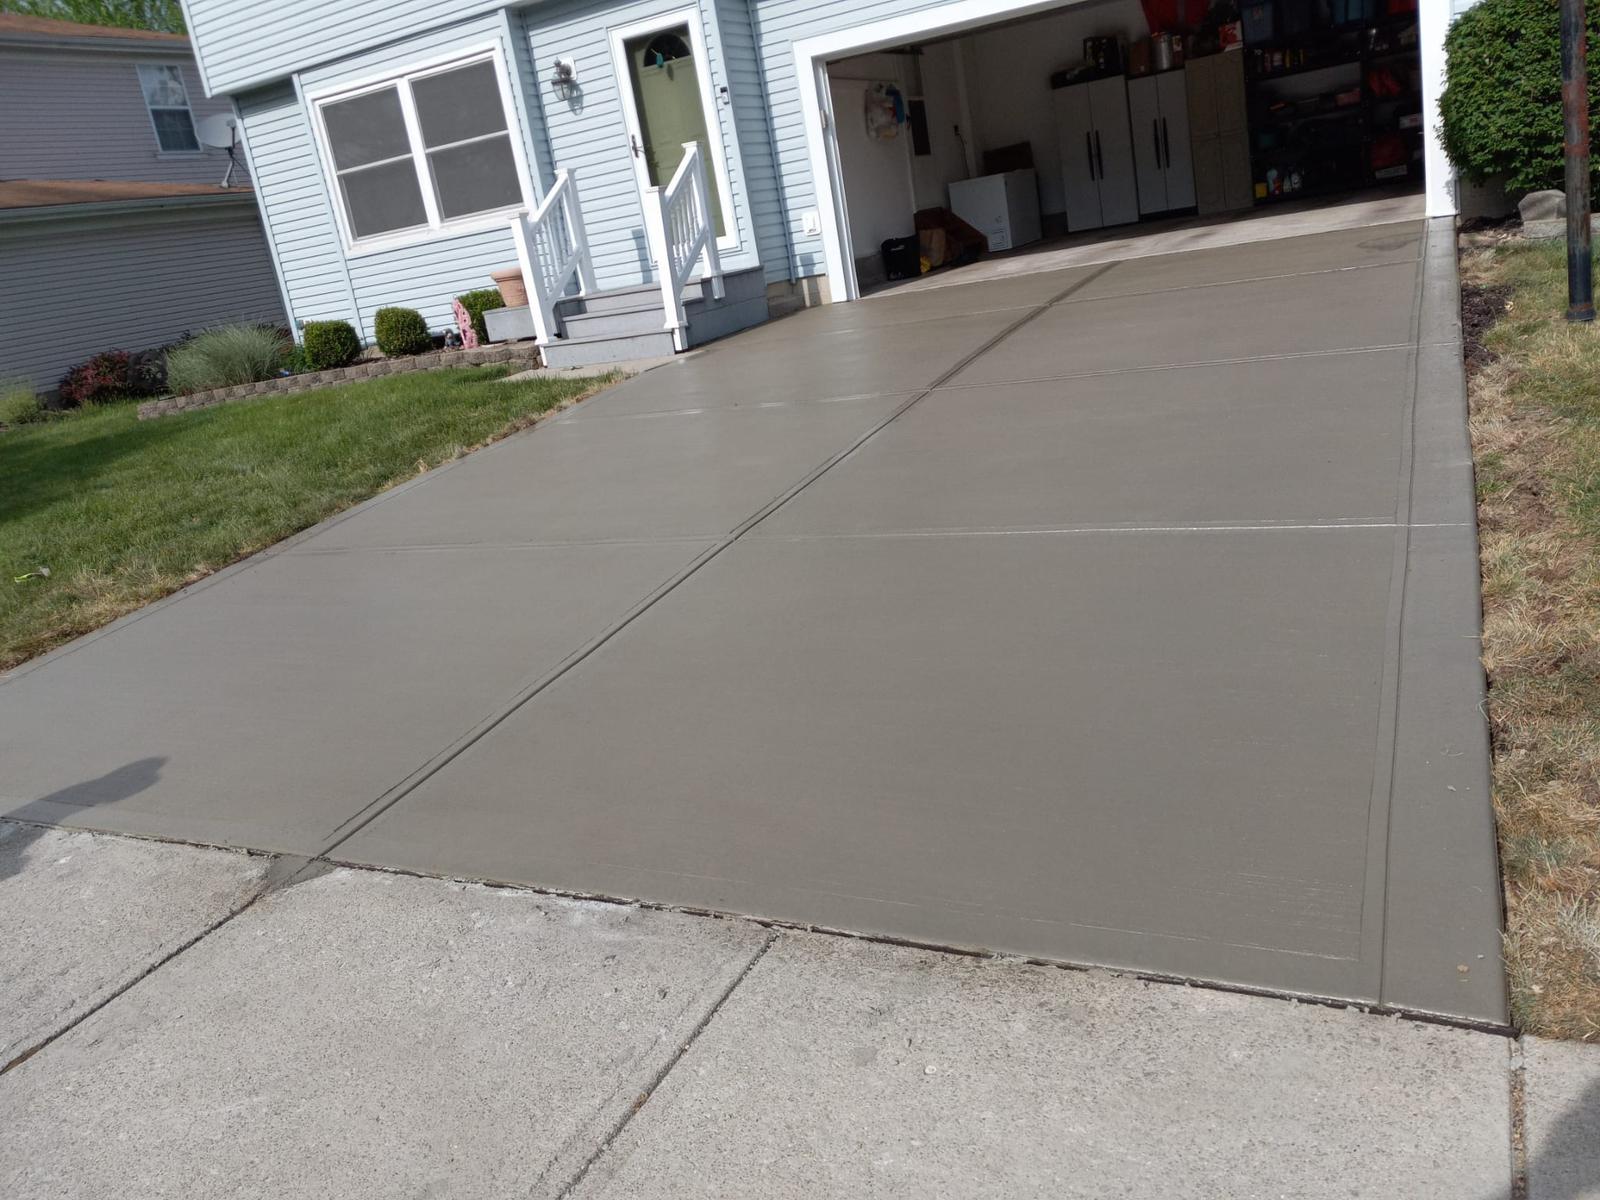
column 324, row 282
column 742, row 67
column 525, row 77
column 246, row 43
column 778, row 24
column 295, row 207
column 587, row 133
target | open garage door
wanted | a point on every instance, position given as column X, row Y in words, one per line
column 1059, row 122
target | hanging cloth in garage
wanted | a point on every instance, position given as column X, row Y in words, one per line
column 886, row 111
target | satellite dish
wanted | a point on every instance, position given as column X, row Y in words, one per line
column 218, row 131
column 221, row 132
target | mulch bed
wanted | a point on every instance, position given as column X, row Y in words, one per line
column 1481, row 307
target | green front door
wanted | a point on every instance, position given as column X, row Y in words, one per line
column 671, row 108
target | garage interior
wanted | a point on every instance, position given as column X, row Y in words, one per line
column 1107, row 113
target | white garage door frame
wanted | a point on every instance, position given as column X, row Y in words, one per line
column 811, row 57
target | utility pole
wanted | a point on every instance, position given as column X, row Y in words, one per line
column 1575, row 130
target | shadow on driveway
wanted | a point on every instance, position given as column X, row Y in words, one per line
column 110, row 788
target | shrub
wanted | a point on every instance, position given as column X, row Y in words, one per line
column 225, row 357
column 329, row 344
column 147, row 369
column 18, row 403
column 477, row 303
column 1501, row 107
column 103, row 377
column 295, row 362
column 401, row 331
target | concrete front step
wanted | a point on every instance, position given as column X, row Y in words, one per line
column 606, row 348
column 627, row 322
column 646, row 318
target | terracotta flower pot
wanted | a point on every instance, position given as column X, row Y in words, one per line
column 512, row 289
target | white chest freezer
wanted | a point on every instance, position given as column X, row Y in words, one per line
column 1004, row 208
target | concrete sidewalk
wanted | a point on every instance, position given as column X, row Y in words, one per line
column 203, row 1023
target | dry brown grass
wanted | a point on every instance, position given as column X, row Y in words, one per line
column 1536, row 440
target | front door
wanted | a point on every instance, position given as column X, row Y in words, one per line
column 667, row 101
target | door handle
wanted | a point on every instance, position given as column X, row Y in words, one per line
column 1099, row 155
column 1166, row 142
column 1155, row 139
column 1088, row 150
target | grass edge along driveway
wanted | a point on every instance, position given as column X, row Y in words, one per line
column 123, row 511
column 1534, row 384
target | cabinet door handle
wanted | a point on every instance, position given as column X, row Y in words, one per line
column 1155, row 138
column 1166, row 142
column 1088, row 150
column 1099, row 155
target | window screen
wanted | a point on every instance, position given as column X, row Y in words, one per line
column 459, row 136
column 465, row 137
column 372, row 160
column 168, row 102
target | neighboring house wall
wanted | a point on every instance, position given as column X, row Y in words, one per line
column 76, row 115
column 75, row 286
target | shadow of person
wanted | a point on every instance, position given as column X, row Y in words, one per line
column 116, row 785
column 1562, row 1165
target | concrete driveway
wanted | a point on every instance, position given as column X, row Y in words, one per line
column 1123, row 614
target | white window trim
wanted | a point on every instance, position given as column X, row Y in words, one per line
column 188, row 106
column 620, row 35
column 400, row 78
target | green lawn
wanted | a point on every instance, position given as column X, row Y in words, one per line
column 123, row 511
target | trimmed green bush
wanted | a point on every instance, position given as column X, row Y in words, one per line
column 477, row 303
column 19, row 405
column 226, row 357
column 401, row 331
column 1501, row 107
column 329, row 344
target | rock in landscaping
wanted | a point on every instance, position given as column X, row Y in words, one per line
column 1549, row 205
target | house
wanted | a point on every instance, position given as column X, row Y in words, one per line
column 115, row 231
column 632, row 149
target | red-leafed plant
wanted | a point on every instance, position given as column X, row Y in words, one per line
column 103, row 377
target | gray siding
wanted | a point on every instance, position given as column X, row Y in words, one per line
column 587, row 133
column 73, row 116
column 74, row 287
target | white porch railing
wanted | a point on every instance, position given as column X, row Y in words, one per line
column 682, row 232
column 552, row 250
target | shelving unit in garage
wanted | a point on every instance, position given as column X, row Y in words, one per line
column 1334, row 109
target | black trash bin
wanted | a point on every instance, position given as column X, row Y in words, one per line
column 902, row 258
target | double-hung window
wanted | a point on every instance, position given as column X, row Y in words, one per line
column 168, row 102
column 426, row 151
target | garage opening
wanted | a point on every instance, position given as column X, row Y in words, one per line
column 1054, row 128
